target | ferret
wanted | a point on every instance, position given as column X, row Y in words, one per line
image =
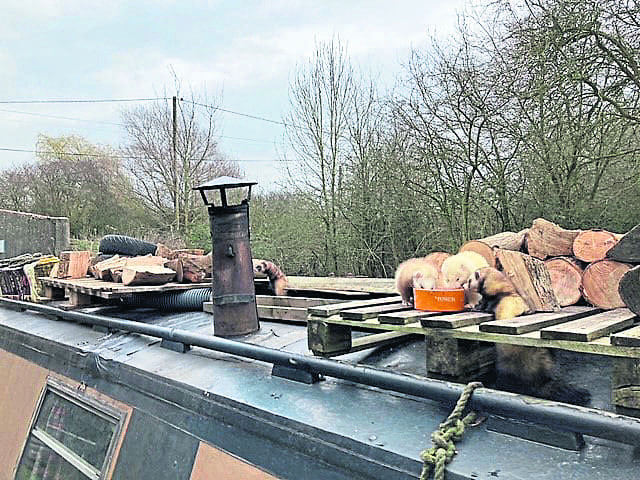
column 277, row 279
column 524, row 370
column 415, row 273
column 494, row 292
column 457, row 269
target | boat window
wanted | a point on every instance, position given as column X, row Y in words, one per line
column 72, row 438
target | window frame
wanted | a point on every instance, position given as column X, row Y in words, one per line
column 88, row 403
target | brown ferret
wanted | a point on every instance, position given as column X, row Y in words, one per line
column 277, row 279
column 524, row 370
column 494, row 292
column 415, row 273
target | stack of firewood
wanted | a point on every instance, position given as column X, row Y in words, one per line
column 166, row 265
column 553, row 267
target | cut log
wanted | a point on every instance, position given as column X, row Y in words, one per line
column 116, row 268
column 146, row 275
column 546, row 239
column 195, row 268
column 166, row 252
column 176, row 265
column 627, row 249
column 566, row 279
column 600, row 282
column 437, row 258
column 101, row 269
column 486, row 246
column 592, row 245
column 74, row 264
column 629, row 289
column 531, row 279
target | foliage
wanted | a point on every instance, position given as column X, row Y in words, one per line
column 74, row 179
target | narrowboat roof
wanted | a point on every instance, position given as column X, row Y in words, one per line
column 236, row 402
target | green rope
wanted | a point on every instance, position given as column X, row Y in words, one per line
column 448, row 432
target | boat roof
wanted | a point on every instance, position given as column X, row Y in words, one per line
column 384, row 429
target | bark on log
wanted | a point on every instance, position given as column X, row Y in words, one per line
column 531, row 279
column 628, row 247
column 74, row 264
column 629, row 289
column 195, row 268
column 592, row 245
column 486, row 246
column 600, row 282
column 546, row 239
column 166, row 252
column 146, row 275
column 566, row 279
column 171, row 254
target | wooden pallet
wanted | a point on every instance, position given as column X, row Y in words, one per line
column 460, row 345
column 88, row 291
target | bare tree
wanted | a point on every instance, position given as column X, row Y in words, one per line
column 317, row 130
column 165, row 171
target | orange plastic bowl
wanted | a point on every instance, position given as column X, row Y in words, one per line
column 439, row 300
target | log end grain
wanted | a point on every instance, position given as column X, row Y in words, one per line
column 600, row 282
column 566, row 279
column 593, row 245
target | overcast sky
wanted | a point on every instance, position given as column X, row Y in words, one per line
column 241, row 52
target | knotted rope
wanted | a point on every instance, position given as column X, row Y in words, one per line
column 449, row 432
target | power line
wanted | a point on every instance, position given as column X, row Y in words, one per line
column 255, row 117
column 105, row 100
column 75, row 119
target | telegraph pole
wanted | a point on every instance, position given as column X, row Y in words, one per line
column 175, row 161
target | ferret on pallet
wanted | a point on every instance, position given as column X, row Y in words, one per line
column 524, row 370
column 277, row 279
column 457, row 269
column 415, row 273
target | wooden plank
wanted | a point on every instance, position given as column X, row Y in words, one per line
column 299, row 302
column 536, row 321
column 360, row 284
column 455, row 320
column 589, row 328
column 376, row 340
column 365, row 313
column 405, row 317
column 292, row 314
column 333, row 309
column 627, row 338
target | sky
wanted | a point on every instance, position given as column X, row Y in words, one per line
column 241, row 54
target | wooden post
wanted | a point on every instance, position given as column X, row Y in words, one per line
column 328, row 339
column 458, row 360
column 625, row 386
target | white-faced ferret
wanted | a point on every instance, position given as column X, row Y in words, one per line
column 457, row 269
column 277, row 279
column 415, row 273
column 524, row 370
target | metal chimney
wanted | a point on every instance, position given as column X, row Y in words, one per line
column 233, row 290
